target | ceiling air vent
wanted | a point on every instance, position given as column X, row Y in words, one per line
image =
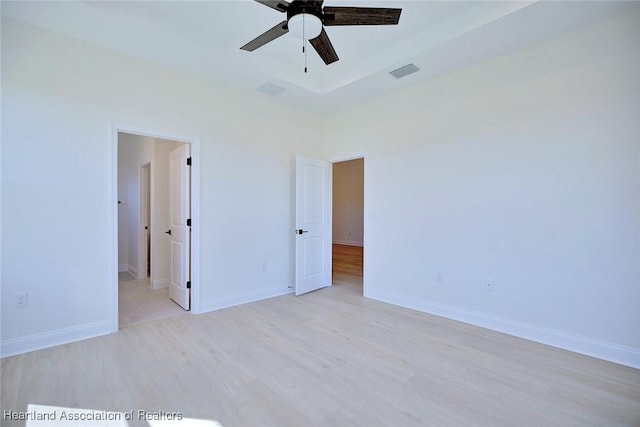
column 270, row 89
column 404, row 71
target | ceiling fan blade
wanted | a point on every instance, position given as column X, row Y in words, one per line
column 360, row 16
column 266, row 37
column 323, row 46
column 279, row 5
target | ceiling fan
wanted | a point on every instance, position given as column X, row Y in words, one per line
column 307, row 19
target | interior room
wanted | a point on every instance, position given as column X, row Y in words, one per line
column 494, row 266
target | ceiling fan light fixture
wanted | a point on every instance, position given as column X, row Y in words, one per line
column 305, row 26
column 306, row 20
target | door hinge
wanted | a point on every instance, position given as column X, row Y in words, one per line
column 188, row 161
column 189, row 284
column 188, row 222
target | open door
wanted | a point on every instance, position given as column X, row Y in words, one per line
column 144, row 251
column 180, row 226
column 313, row 224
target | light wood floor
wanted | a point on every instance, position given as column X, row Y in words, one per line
column 138, row 303
column 347, row 265
column 328, row 358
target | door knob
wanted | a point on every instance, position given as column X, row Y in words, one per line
column 168, row 232
column 301, row 231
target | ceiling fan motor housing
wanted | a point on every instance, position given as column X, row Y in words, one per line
column 300, row 6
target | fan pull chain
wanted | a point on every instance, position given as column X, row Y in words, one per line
column 304, row 43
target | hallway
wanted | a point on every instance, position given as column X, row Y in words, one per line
column 138, row 303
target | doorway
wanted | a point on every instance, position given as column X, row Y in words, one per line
column 348, row 223
column 143, row 174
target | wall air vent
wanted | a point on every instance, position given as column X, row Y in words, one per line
column 404, row 71
column 270, row 89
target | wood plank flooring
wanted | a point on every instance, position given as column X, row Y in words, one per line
column 138, row 303
column 347, row 264
column 328, row 358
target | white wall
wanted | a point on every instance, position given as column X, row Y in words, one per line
column 522, row 173
column 348, row 202
column 134, row 151
column 123, row 213
column 60, row 98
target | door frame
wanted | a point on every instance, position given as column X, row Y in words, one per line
column 116, row 128
column 364, row 213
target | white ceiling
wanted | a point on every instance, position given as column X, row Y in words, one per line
column 203, row 38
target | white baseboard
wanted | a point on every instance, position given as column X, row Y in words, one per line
column 159, row 283
column 133, row 270
column 347, row 243
column 233, row 300
column 34, row 342
column 627, row 356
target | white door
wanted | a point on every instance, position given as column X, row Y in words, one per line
column 180, row 225
column 313, row 224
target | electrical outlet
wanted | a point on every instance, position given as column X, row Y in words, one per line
column 20, row 300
